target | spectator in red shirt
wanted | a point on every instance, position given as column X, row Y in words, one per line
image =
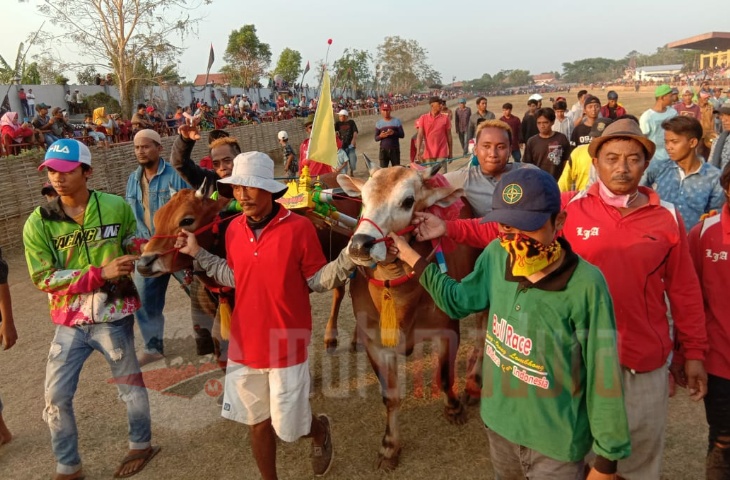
column 687, row 107
column 516, row 125
column 434, row 142
column 267, row 380
column 612, row 109
column 709, row 244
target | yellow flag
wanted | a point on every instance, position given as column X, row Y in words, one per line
column 322, row 143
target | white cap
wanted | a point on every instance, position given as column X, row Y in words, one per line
column 282, row 135
column 343, row 112
column 535, row 96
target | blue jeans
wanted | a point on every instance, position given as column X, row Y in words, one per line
column 70, row 348
column 517, row 155
column 464, row 140
column 49, row 138
column 349, row 155
column 150, row 320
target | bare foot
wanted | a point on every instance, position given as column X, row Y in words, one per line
column 5, row 435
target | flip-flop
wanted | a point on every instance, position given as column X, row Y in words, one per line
column 147, row 455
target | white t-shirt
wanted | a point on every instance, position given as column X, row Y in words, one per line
column 651, row 125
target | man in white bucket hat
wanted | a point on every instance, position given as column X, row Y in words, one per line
column 267, row 377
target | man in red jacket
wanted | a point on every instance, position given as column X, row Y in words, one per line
column 640, row 245
column 709, row 244
column 267, row 378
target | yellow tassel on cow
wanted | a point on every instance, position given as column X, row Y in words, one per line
column 224, row 310
column 388, row 320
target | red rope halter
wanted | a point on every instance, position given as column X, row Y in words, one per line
column 384, row 238
column 395, row 282
column 210, row 226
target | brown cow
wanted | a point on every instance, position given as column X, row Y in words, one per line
column 191, row 210
column 389, row 198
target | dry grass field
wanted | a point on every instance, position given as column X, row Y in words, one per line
column 198, row 444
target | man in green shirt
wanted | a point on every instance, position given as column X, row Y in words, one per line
column 552, row 386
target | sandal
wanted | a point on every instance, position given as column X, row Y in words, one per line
column 146, row 455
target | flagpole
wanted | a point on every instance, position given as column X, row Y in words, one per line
column 301, row 82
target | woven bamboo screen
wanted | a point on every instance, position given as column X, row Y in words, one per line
column 20, row 180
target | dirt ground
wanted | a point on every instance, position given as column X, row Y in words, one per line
column 197, row 443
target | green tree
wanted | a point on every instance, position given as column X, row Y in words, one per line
column 352, row 69
column 9, row 72
column 86, row 75
column 289, row 65
column 404, row 64
column 31, row 75
column 101, row 99
column 518, row 78
column 49, row 68
column 247, row 57
column 590, row 70
column 117, row 33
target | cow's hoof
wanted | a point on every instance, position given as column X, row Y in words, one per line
column 455, row 414
column 387, row 464
column 469, row 400
column 330, row 345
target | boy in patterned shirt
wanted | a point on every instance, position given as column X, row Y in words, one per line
column 685, row 179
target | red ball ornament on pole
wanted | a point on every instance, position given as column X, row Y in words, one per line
column 329, row 41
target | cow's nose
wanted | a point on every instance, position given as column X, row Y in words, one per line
column 360, row 245
column 144, row 264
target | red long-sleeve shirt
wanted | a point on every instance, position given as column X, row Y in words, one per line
column 315, row 168
column 642, row 255
column 709, row 245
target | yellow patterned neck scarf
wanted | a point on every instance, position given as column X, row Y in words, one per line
column 528, row 256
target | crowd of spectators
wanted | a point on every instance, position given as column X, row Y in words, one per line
column 44, row 125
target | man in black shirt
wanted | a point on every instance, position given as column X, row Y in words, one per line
column 582, row 132
column 529, row 121
column 347, row 132
column 548, row 150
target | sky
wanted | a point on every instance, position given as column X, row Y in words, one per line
column 465, row 43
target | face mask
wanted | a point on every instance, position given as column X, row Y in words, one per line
column 618, row 201
column 528, row 256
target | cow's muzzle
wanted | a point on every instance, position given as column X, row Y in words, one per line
column 360, row 246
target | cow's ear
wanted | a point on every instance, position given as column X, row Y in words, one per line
column 443, row 196
column 431, row 171
column 351, row 185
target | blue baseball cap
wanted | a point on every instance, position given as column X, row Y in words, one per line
column 524, row 198
column 66, row 154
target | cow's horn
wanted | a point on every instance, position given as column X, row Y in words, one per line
column 200, row 193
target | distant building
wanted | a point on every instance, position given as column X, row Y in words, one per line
column 716, row 44
column 543, row 79
column 214, row 78
column 657, row 73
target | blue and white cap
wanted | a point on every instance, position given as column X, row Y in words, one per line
column 66, row 154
